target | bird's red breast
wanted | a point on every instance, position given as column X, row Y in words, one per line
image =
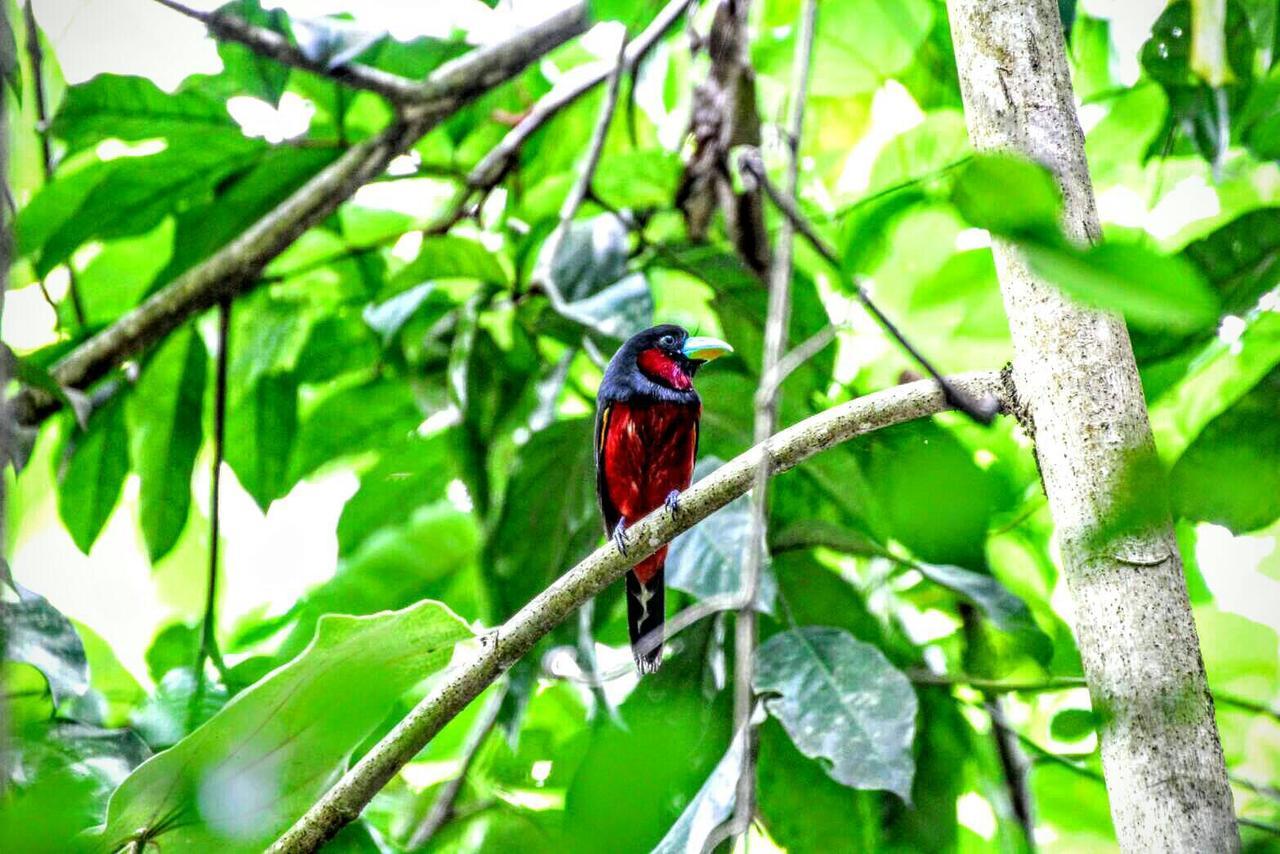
column 648, row 452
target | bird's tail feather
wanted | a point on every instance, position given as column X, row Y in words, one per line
column 646, row 613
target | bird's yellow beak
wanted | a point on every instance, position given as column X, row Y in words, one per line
column 703, row 348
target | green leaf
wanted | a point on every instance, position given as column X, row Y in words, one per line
column 911, row 158
column 168, row 715
column 449, row 257
column 1009, row 613
column 540, row 531
column 1007, row 195
column 588, row 268
column 1073, row 724
column 256, row 765
column 165, row 410
column 373, row 415
column 431, row 556
column 132, row 109
column 389, row 318
column 861, row 42
column 244, row 195
column 1153, row 291
column 261, row 426
column 407, row 476
column 256, row 75
column 1230, row 474
column 38, row 634
column 706, row 560
column 91, row 475
column 1241, row 259
column 841, row 700
column 125, row 197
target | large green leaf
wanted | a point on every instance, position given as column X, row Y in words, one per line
column 549, row 518
column 840, row 699
column 125, row 196
column 261, row 426
column 1007, row 195
column 92, row 472
column 1153, row 291
column 373, row 415
column 252, row 769
column 860, row 42
column 112, row 106
column 1230, row 474
column 710, row 807
column 588, row 268
column 165, row 410
column 256, row 75
column 407, row 476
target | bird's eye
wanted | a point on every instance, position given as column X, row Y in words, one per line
column 667, row 341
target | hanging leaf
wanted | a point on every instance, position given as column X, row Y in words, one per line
column 710, row 808
column 92, row 472
column 841, row 701
column 165, row 409
column 255, row 766
column 1009, row 613
column 261, row 426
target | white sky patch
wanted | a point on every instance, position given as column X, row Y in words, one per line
column 273, row 560
column 975, row 813
column 111, row 149
column 1230, row 564
column 407, row 246
column 893, row 112
column 257, row 118
column 1190, row 199
column 1131, row 22
column 1122, row 205
column 421, row 198
column 404, row 164
column 973, row 238
column 458, row 496
column 540, row 771
column 1090, row 115
column 1231, row 328
column 28, row 321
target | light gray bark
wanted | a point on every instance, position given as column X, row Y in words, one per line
column 1081, row 400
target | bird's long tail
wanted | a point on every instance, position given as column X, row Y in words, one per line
column 646, row 610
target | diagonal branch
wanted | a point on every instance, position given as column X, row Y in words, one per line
column 234, row 269
column 509, row 642
column 272, row 45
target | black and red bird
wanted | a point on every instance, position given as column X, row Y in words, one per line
column 646, row 439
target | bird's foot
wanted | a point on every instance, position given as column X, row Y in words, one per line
column 620, row 537
column 673, row 501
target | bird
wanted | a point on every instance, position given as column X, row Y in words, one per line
column 646, row 442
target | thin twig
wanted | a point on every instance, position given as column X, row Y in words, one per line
column 208, row 648
column 272, row 45
column 586, row 170
column 511, row 641
column 35, row 55
column 996, row 686
column 981, row 411
column 233, row 270
column 442, row 808
column 777, row 321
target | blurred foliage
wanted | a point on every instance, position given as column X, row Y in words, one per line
column 445, row 382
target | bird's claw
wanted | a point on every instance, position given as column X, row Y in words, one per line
column 620, row 537
column 672, row 501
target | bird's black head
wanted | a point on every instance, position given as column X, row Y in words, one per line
column 666, row 356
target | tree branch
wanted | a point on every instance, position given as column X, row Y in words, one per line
column 442, row 807
column 505, row 645
column 777, row 322
column 272, row 45
column 234, row 269
column 981, row 411
column 35, row 55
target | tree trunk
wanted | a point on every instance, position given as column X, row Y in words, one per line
column 1081, row 400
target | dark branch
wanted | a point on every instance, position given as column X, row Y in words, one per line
column 752, row 167
column 274, row 46
column 235, row 268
